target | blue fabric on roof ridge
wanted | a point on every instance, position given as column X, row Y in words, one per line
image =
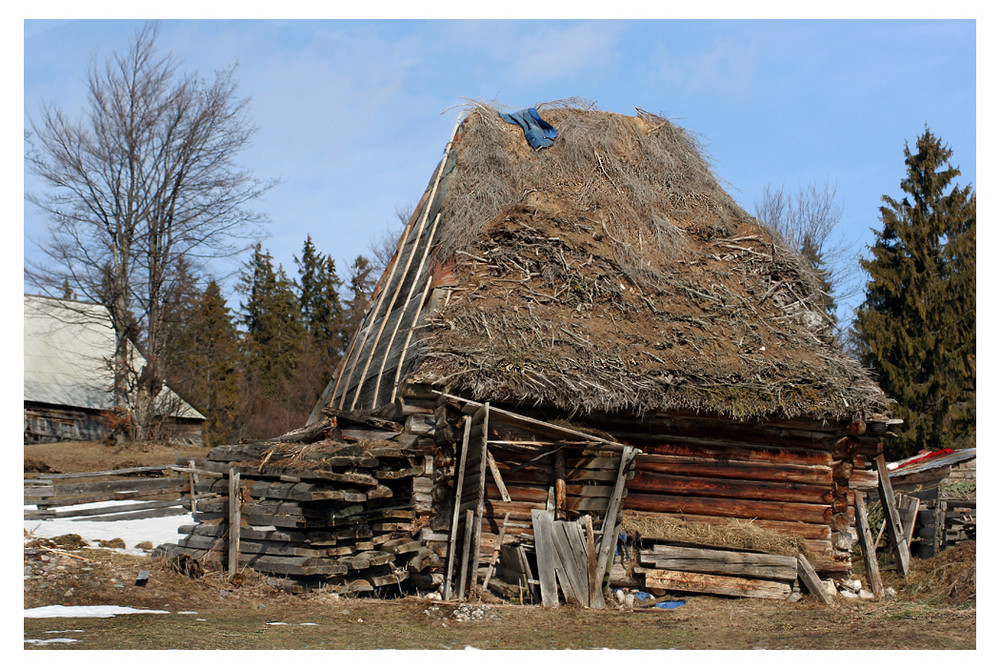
column 537, row 131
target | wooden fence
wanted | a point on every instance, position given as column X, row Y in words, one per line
column 158, row 490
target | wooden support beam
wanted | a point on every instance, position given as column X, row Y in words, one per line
column 867, row 546
column 897, row 541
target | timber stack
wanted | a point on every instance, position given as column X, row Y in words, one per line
column 331, row 505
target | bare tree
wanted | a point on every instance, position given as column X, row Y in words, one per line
column 143, row 181
column 807, row 221
column 383, row 246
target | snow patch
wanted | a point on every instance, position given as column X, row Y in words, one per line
column 104, row 611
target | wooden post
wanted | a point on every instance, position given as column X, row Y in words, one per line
column 908, row 508
column 559, row 472
column 504, row 495
column 464, row 571
column 900, row 549
column 867, row 547
column 193, row 480
column 234, row 520
column 480, row 503
column 459, row 482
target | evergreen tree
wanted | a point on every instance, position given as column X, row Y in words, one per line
column 205, row 363
column 271, row 316
column 917, row 324
column 319, row 302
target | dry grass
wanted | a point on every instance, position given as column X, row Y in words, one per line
column 736, row 533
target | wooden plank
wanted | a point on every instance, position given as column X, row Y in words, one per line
column 900, row 548
column 110, row 472
column 569, row 550
column 908, row 507
column 459, row 482
column 867, row 546
column 714, row 584
column 724, row 562
column 496, row 553
column 811, row 580
column 545, row 557
column 235, row 502
column 104, row 510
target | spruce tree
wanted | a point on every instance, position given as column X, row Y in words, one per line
column 205, row 363
column 319, row 302
column 271, row 316
column 917, row 321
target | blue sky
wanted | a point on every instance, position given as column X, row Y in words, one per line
column 353, row 115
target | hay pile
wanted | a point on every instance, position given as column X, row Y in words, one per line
column 735, row 534
column 948, row 577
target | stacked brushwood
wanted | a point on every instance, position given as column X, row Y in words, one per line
column 335, row 512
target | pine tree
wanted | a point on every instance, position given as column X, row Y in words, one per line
column 917, row 321
column 205, row 363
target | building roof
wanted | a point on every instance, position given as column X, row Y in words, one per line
column 67, row 346
column 607, row 273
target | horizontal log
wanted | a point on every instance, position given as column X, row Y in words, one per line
column 729, row 507
column 106, row 510
column 720, row 449
column 653, row 482
column 728, row 468
column 724, row 562
column 734, row 586
column 819, row 531
column 109, row 472
column 177, row 488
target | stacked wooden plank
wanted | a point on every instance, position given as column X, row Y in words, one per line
column 687, row 568
column 337, row 512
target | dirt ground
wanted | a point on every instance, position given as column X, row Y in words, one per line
column 935, row 609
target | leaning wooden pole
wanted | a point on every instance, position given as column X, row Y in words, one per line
column 867, row 545
column 894, row 526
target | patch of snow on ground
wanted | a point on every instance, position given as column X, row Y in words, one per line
column 46, row 642
column 154, row 530
column 104, row 611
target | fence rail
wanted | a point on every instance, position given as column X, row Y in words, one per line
column 170, row 493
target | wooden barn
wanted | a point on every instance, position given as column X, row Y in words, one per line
column 68, row 379
column 573, row 332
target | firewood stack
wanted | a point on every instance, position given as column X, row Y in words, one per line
column 337, row 511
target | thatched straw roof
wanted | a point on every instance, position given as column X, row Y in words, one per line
column 609, row 272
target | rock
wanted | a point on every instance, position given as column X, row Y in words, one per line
column 848, row 594
column 865, row 594
column 829, row 587
column 890, row 592
column 629, row 601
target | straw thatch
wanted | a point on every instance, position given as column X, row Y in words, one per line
column 611, row 272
